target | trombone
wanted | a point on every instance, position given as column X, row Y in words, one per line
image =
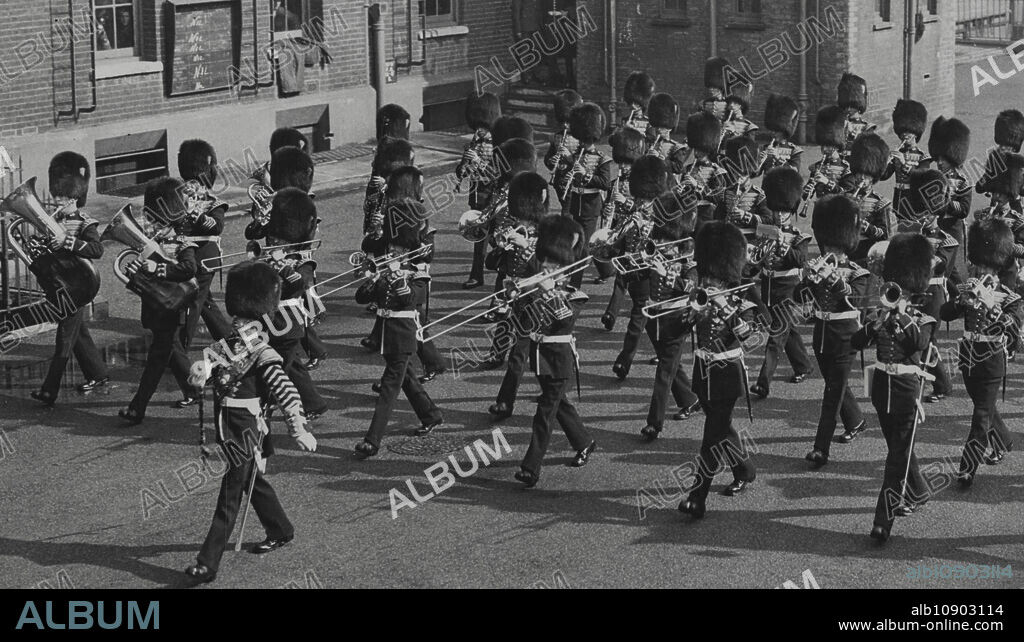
column 253, row 250
column 371, row 267
column 697, row 300
column 512, row 290
column 641, row 260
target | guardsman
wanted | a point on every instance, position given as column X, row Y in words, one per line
column 868, row 159
column 826, row 174
column 482, row 110
column 164, row 204
column 836, row 286
column 742, row 203
column 69, row 175
column 628, row 147
column 716, row 82
column 590, row 178
column 245, row 382
column 852, row 97
column 902, row 335
column 1009, row 136
column 737, row 104
column 909, row 120
column 281, row 137
column 992, row 316
column 528, row 203
column 781, row 114
column 391, row 154
column 553, row 355
column 927, row 197
column 1004, row 180
column 663, row 118
column 704, row 180
column 721, row 321
column 948, row 145
column 780, row 273
column 393, row 121
column 563, row 145
column 637, row 95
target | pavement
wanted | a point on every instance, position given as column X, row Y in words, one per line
column 95, row 504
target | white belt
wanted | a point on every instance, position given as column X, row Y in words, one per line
column 555, row 338
column 938, row 280
column 837, row 316
column 781, row 274
column 903, row 186
column 397, row 314
column 586, row 190
column 901, row 369
column 202, row 239
column 705, row 355
column 978, row 337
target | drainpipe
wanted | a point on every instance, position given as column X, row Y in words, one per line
column 613, row 61
column 377, row 34
column 75, row 110
column 910, row 11
column 257, row 85
column 803, row 99
column 713, row 27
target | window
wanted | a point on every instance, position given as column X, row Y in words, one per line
column 437, row 12
column 115, row 28
column 933, row 7
column 884, row 10
column 673, row 8
column 749, row 8
column 292, row 17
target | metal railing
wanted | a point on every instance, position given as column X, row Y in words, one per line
column 989, row 21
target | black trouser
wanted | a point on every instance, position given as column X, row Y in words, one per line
column 399, row 373
column 553, row 405
column 229, row 501
column 73, row 337
column 987, row 427
column 955, row 228
column 288, row 347
column 313, row 345
column 637, row 320
column 670, row 375
column 476, row 271
column 589, row 226
column 166, row 350
column 898, row 428
column 617, row 297
column 783, row 335
column 204, row 306
column 720, row 445
column 837, row 401
column 517, row 358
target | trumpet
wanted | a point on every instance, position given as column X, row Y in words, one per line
column 512, row 290
column 889, row 295
column 651, row 252
column 262, row 198
column 696, row 300
column 822, row 269
column 971, row 293
column 503, row 235
column 372, row 268
column 255, row 251
column 572, row 175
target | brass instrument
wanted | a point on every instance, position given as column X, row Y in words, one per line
column 474, row 224
column 503, row 235
column 262, row 198
column 377, row 217
column 512, row 290
column 768, row 245
column 370, row 268
column 697, row 300
column 822, row 269
column 650, row 253
column 572, row 174
column 971, row 293
column 255, row 251
column 58, row 273
column 460, row 169
column 889, row 295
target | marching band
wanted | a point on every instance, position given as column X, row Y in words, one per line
column 706, row 254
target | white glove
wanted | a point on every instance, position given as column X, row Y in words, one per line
column 198, row 374
column 307, row 442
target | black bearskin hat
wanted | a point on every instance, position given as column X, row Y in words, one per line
column 835, row 222
column 509, row 127
column 672, row 228
column 909, row 117
column 830, row 127
column 288, row 137
column 869, row 155
column 405, row 182
column 704, row 133
column 69, row 175
column 514, row 156
column 393, row 121
column 1009, row 130
column 673, row 207
column 392, row 153
column 928, row 194
column 740, row 93
column 557, row 237
column 990, row 244
column 164, row 199
column 663, row 111
column 781, row 114
column 404, row 221
column 293, row 216
column 715, row 74
column 950, row 139
column 720, row 252
column 1004, row 174
column 908, row 262
column 649, row 178
column 628, row 145
column 197, row 161
column 565, row 101
column 783, row 189
column 528, row 197
column 482, row 110
column 741, row 157
column 253, row 290
column 853, row 93
column 639, row 89
column 291, row 167
column 587, row 123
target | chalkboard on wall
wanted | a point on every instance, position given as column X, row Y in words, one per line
column 203, row 44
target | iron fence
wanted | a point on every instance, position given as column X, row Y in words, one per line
column 989, row 21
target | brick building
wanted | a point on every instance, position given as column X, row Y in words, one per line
column 125, row 81
column 670, row 39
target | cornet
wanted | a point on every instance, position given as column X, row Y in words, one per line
column 255, row 251
column 648, row 254
column 822, row 269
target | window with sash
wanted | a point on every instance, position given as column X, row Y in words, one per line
column 116, row 28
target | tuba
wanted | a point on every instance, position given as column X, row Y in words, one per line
column 167, row 296
column 60, row 274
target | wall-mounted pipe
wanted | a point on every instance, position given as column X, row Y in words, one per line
column 802, row 98
column 910, row 11
column 257, row 85
column 613, row 61
column 713, row 13
column 377, row 36
column 75, row 110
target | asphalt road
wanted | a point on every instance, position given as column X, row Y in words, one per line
column 91, row 503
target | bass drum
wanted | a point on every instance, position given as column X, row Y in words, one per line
column 63, row 275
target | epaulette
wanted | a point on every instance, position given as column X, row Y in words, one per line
column 1010, row 297
column 857, row 271
column 576, row 296
column 267, row 356
column 747, row 304
column 800, row 238
column 920, row 318
column 87, row 221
